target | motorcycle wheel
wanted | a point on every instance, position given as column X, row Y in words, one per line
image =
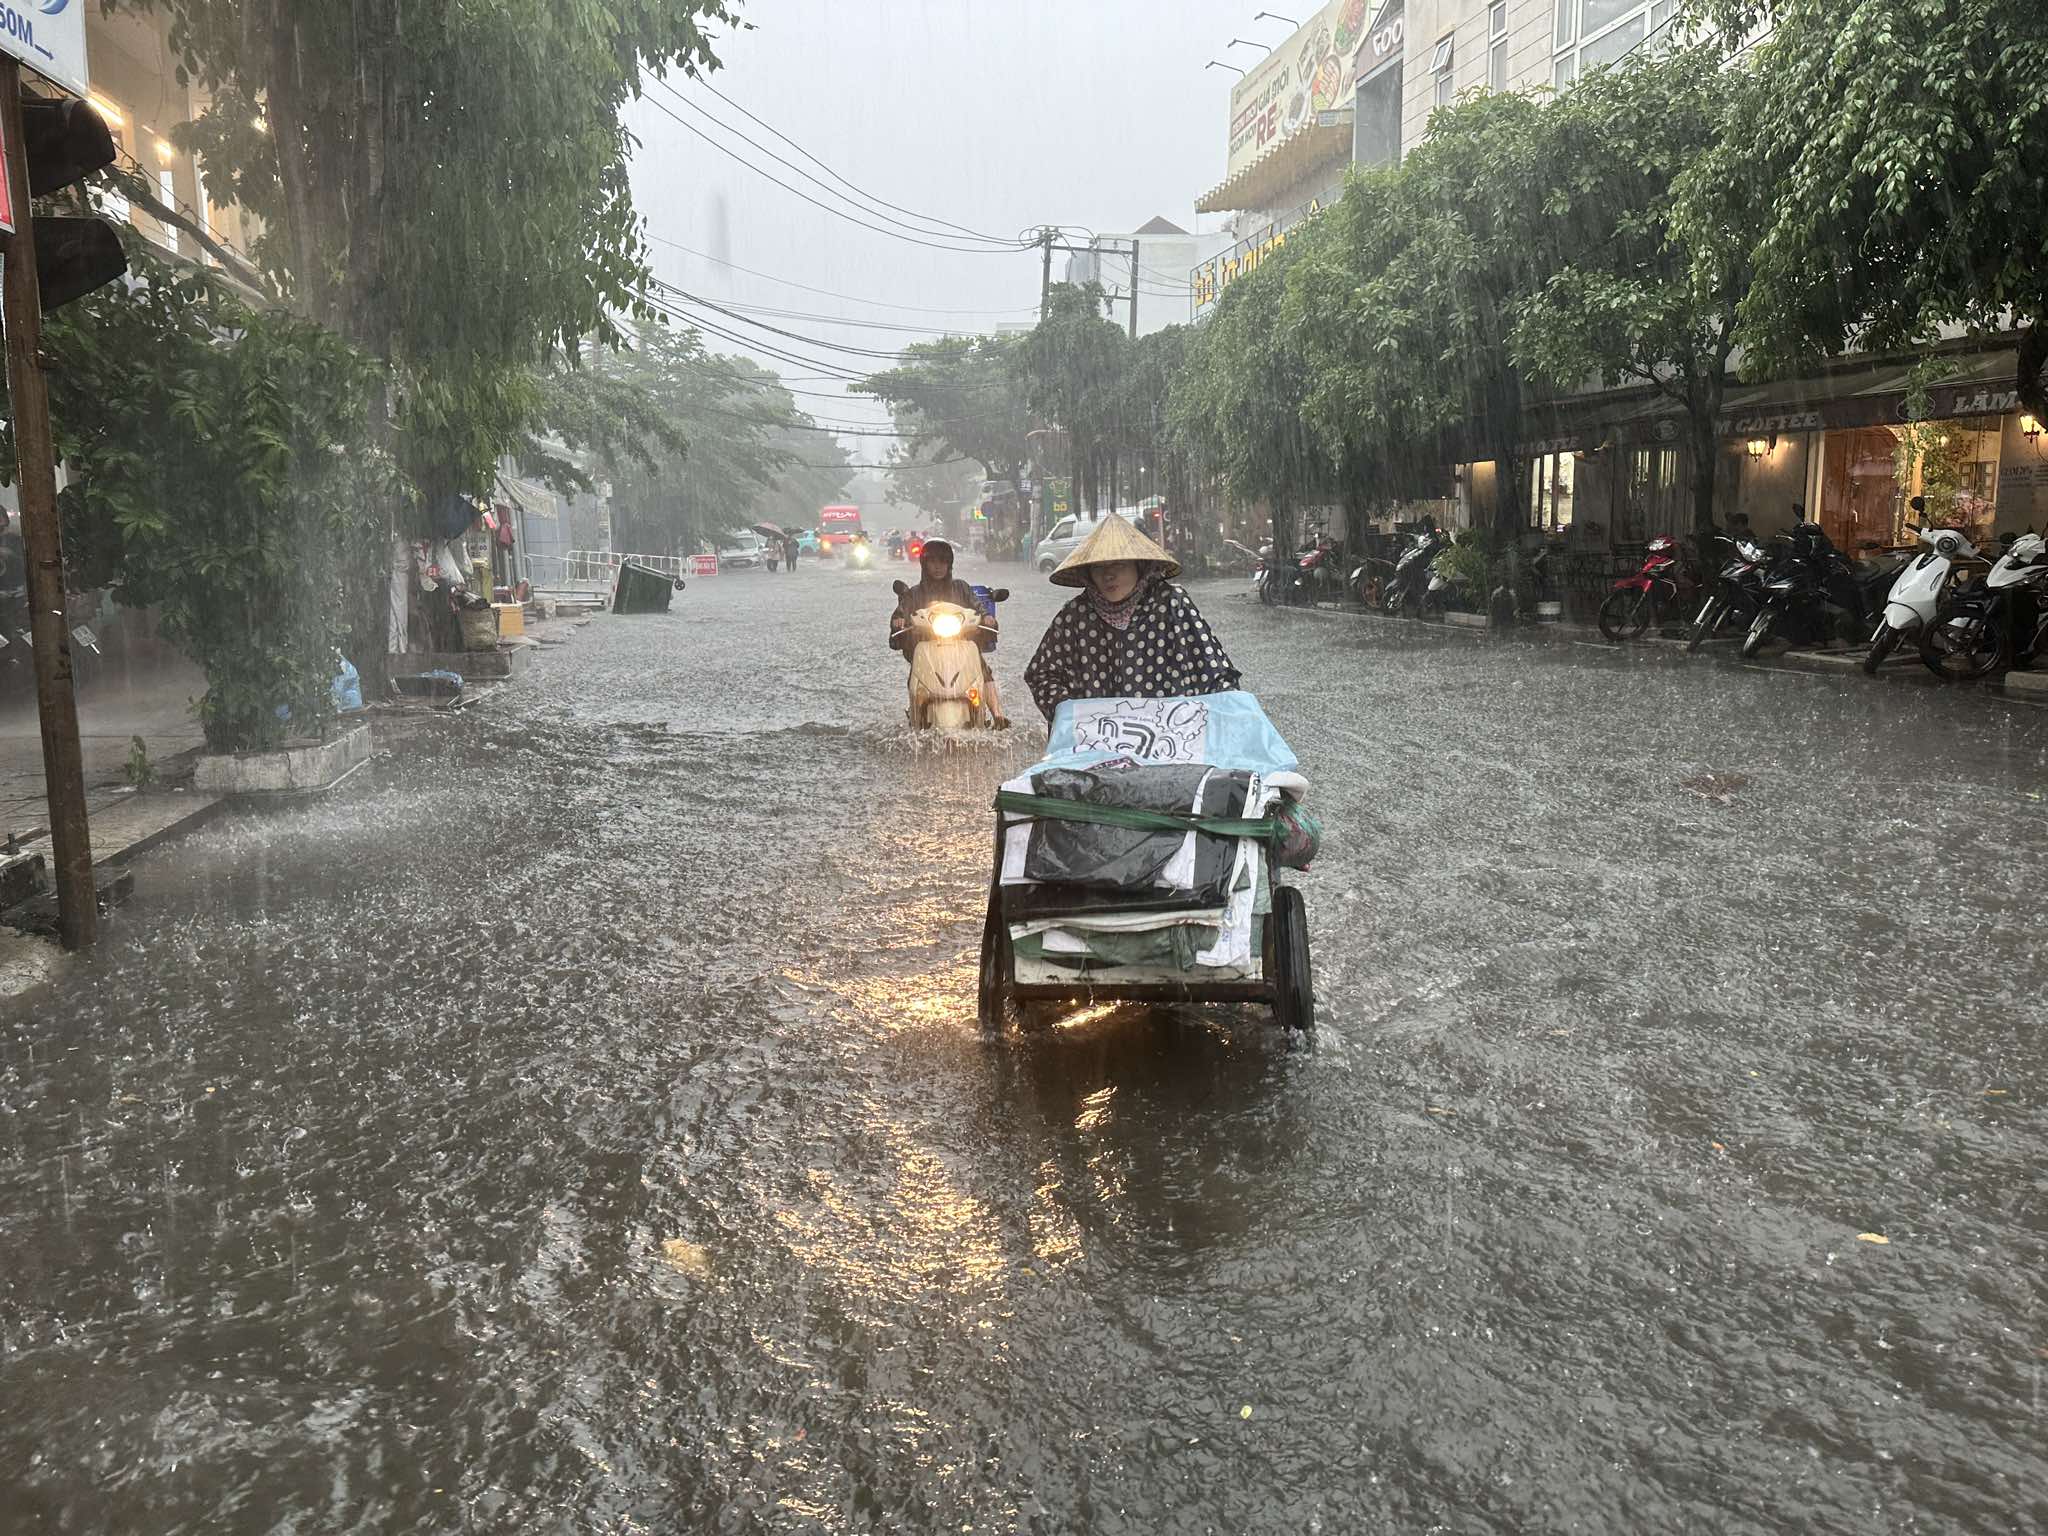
column 1707, row 623
column 1759, row 632
column 1627, row 615
column 1393, row 599
column 1882, row 644
column 1961, row 647
column 1267, row 593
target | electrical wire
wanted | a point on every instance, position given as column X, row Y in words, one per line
column 961, row 232
column 836, row 176
column 898, row 233
column 909, row 309
column 895, row 356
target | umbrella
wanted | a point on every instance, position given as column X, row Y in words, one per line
column 768, row 530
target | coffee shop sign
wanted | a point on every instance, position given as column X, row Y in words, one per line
column 1219, row 272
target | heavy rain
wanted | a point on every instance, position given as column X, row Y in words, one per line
column 1057, row 769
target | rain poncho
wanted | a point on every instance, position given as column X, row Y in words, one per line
column 1167, row 651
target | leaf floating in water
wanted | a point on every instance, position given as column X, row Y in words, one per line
column 1245, row 1412
column 1435, row 1111
column 1994, row 1093
column 1717, row 1146
column 1874, row 1237
column 687, row 1258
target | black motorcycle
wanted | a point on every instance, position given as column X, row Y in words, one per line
column 1813, row 594
column 1737, row 593
column 1404, row 590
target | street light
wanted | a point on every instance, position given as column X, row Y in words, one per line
column 1219, row 64
column 1249, row 43
column 1276, row 16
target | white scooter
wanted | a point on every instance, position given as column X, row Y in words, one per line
column 949, row 688
column 1910, row 606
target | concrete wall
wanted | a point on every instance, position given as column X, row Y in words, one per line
column 1766, row 488
column 1530, row 27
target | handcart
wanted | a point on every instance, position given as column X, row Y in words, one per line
column 1277, row 941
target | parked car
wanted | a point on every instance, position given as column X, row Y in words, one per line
column 1064, row 538
column 746, row 550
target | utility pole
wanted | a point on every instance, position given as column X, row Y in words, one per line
column 1045, row 282
column 1134, row 290
column 35, row 464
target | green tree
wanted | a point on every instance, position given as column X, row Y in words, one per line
column 1897, row 146
column 933, row 479
column 1631, row 303
column 1405, row 296
column 960, row 396
column 444, row 185
column 1240, row 393
column 218, row 466
column 1070, row 367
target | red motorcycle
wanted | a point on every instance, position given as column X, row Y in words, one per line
column 1640, row 601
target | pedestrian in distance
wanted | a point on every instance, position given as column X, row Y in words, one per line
column 1130, row 633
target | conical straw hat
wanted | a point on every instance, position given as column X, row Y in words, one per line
column 1114, row 540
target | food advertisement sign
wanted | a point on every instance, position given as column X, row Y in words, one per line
column 1311, row 72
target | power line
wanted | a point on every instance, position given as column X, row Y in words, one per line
column 898, row 233
column 961, row 232
column 911, row 309
column 896, row 356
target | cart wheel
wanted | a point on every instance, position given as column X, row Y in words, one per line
column 1296, row 1004
column 995, row 965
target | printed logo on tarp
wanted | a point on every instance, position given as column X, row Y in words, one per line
column 1151, row 730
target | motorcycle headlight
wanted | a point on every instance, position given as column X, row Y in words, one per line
column 947, row 626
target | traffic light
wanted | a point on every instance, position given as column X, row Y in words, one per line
column 66, row 141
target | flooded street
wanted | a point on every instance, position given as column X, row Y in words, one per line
column 581, row 1125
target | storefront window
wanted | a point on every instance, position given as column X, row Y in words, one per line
column 1551, row 479
column 1954, row 466
column 1656, row 496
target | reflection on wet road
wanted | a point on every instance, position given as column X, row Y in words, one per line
column 583, row 1126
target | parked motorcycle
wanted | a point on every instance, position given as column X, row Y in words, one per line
column 1996, row 623
column 1813, row 593
column 1318, row 574
column 1919, row 590
column 1737, row 593
column 1640, row 601
column 1405, row 588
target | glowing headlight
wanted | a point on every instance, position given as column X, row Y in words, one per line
column 947, row 626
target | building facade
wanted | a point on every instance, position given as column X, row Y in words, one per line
column 1848, row 446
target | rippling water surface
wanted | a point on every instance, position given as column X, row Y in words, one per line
column 582, row 1125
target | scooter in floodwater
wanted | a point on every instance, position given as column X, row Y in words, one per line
column 949, row 688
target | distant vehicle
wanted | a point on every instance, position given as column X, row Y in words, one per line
column 745, row 550
column 1064, row 538
column 807, row 542
column 836, row 528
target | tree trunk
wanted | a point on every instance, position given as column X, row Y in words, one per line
column 1703, row 405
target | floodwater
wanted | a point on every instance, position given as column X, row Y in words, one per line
column 581, row 1126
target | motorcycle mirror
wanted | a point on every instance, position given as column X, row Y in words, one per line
column 1918, row 503
column 900, row 588
column 999, row 594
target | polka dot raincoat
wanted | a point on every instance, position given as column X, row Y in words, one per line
column 1168, row 651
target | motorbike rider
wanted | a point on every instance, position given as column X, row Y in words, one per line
column 937, row 584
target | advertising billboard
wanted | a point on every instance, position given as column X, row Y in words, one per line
column 1314, row 71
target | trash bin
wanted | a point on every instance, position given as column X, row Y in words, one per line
column 641, row 590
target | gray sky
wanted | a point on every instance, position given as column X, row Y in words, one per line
column 999, row 115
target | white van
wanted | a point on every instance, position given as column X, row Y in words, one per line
column 1064, row 539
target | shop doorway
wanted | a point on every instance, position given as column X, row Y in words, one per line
column 1859, row 495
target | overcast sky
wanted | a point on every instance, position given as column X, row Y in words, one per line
column 997, row 115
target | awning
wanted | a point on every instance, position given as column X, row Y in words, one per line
column 1317, row 145
column 531, row 498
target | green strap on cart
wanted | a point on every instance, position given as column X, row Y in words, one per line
column 1044, row 807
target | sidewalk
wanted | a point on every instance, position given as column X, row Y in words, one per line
column 111, row 714
column 1903, row 666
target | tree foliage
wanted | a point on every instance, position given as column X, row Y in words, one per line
column 959, row 396
column 443, row 184
column 1070, row 367
column 219, row 467
column 1896, row 148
